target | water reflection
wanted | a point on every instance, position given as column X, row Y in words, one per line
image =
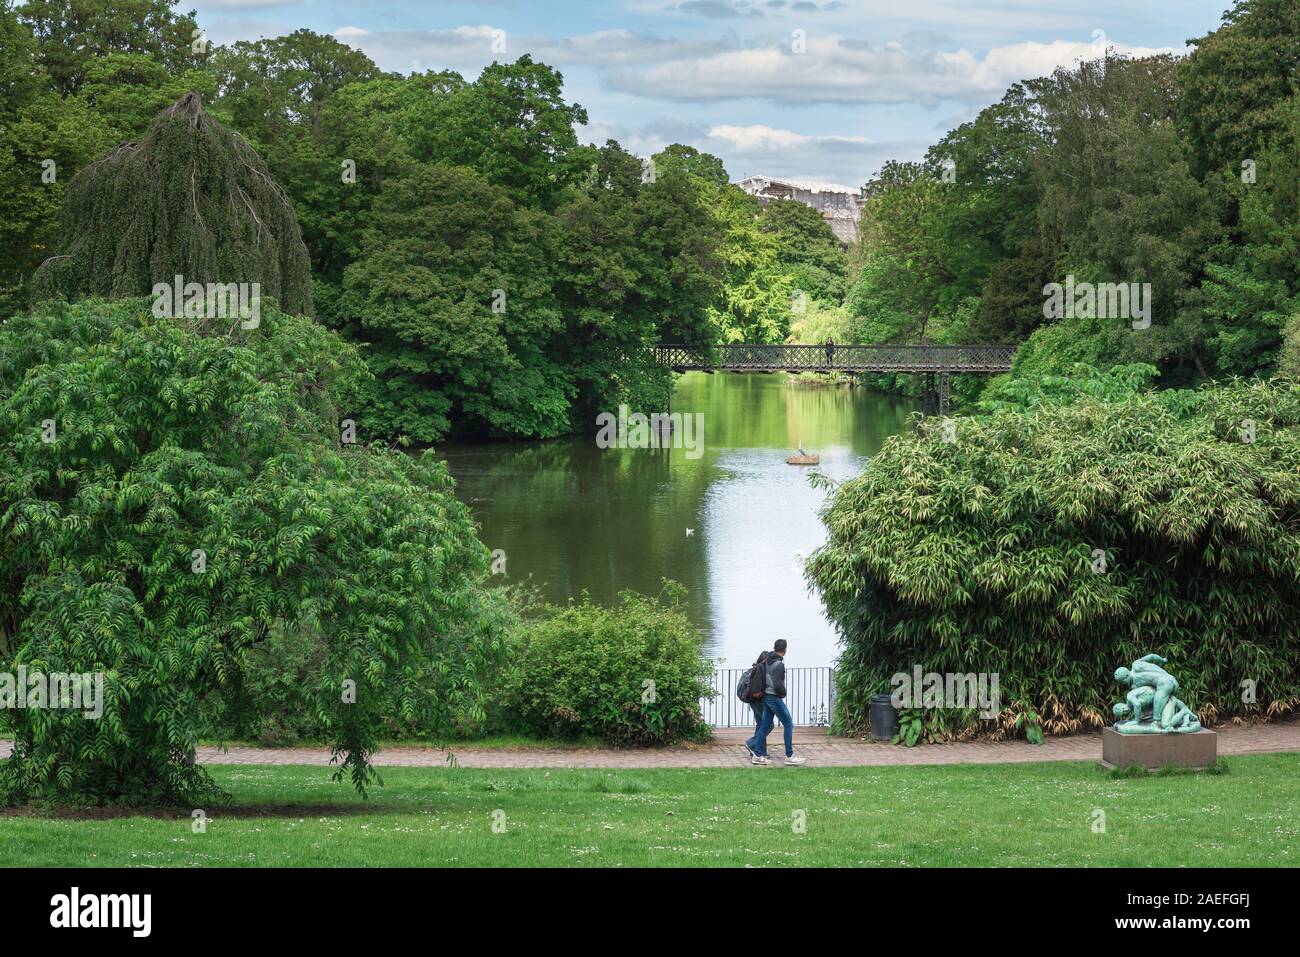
column 574, row 517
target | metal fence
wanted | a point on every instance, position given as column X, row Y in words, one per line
column 810, row 696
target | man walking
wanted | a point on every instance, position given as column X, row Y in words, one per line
column 773, row 708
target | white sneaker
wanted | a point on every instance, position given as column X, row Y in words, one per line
column 760, row 759
column 795, row 759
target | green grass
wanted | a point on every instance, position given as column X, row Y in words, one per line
column 1029, row 814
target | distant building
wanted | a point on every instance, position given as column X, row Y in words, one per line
column 841, row 206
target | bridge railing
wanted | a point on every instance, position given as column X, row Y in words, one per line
column 742, row 357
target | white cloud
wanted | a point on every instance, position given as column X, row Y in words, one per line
column 471, row 47
column 202, row 5
column 761, row 149
column 649, row 139
column 765, row 139
column 836, row 70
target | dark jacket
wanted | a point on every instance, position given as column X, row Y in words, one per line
column 776, row 676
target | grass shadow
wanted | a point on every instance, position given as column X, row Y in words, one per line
column 114, row 812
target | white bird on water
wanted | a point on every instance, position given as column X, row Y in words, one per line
column 690, row 532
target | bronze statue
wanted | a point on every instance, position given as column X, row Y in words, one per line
column 1150, row 705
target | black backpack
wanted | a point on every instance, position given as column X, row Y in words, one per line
column 752, row 685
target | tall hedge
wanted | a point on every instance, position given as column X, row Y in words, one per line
column 978, row 555
column 190, row 198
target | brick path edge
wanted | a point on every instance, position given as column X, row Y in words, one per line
column 726, row 751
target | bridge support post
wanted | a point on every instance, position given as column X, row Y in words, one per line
column 937, row 397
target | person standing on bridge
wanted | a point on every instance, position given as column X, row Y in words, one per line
column 830, row 351
column 773, row 708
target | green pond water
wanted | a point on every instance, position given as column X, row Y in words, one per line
column 572, row 516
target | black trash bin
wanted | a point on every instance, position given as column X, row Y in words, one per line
column 884, row 717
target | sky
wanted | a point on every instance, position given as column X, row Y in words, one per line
column 825, row 90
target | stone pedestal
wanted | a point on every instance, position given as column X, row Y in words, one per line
column 1197, row 750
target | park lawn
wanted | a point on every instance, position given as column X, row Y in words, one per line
column 971, row 815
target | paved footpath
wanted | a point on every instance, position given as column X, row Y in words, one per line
column 726, row 750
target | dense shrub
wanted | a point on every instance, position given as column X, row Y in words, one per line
column 977, row 555
column 632, row 674
column 1010, row 392
column 173, row 493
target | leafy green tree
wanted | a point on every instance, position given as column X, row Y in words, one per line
column 1233, row 85
column 938, row 234
column 819, row 322
column 1011, row 302
column 171, row 494
column 634, row 267
column 21, row 76
column 73, row 34
column 989, row 215
column 704, row 167
column 334, row 177
column 452, row 295
column 1050, row 545
column 1136, row 214
column 1252, row 286
column 807, row 249
column 907, row 262
column 881, row 308
column 128, row 90
column 298, row 99
column 44, row 140
column 511, row 125
column 993, row 193
column 273, row 87
column 756, row 300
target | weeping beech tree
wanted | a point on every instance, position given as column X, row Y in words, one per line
column 191, row 199
column 1052, row 545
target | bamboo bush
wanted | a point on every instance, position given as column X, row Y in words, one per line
column 982, row 549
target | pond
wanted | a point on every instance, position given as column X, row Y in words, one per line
column 730, row 519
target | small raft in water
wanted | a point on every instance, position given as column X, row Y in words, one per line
column 804, row 458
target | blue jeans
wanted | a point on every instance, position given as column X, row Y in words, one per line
column 759, row 711
column 773, row 708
